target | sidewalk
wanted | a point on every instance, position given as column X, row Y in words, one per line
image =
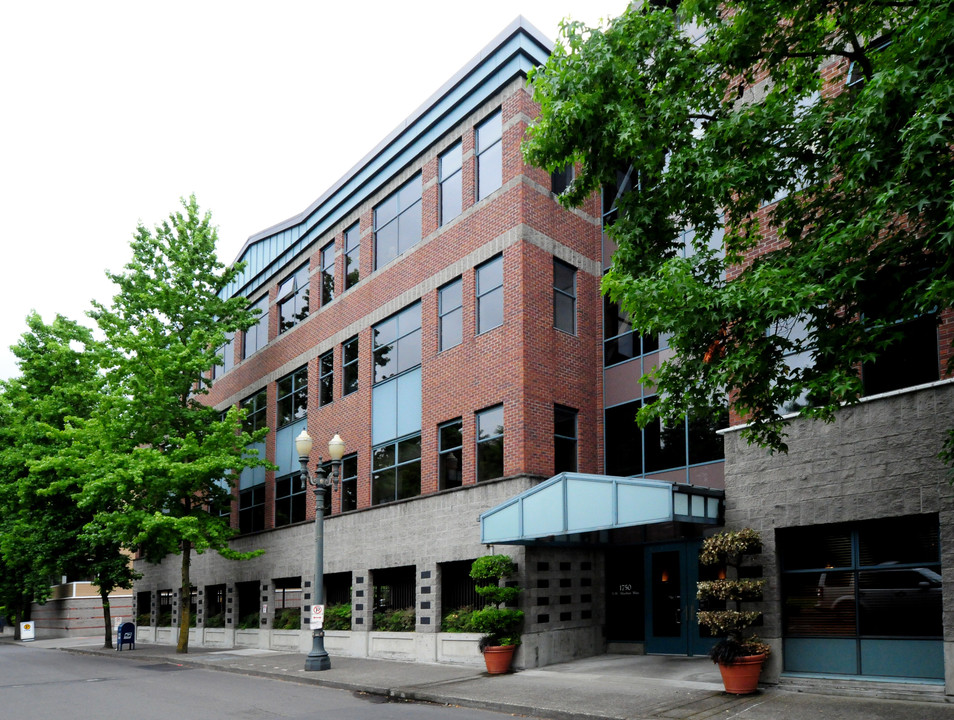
column 612, row 687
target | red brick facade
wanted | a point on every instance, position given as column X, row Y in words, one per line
column 525, row 363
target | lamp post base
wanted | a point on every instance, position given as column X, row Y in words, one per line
column 318, row 658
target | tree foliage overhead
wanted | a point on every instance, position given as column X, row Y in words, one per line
column 717, row 114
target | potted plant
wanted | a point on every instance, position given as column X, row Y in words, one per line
column 738, row 655
column 500, row 625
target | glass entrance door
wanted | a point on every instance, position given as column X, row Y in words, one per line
column 671, row 574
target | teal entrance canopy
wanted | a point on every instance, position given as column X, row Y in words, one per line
column 572, row 503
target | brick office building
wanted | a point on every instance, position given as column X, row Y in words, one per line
column 440, row 311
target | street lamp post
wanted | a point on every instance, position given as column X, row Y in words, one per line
column 318, row 657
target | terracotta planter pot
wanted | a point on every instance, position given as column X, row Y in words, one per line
column 498, row 657
column 742, row 676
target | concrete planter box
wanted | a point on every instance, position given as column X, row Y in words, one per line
column 290, row 640
column 165, row 635
column 459, row 648
column 218, row 637
column 392, row 645
column 145, row 634
column 252, row 638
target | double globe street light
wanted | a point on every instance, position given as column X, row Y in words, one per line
column 318, row 657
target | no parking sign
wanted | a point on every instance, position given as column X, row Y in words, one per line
column 317, row 616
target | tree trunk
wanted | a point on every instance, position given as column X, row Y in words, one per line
column 185, row 599
column 107, row 620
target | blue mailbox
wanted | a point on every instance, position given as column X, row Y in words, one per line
column 126, row 634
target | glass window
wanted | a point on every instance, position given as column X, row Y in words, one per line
column 561, row 179
column 799, row 357
column 451, row 183
column 912, row 359
column 450, row 454
column 490, row 295
column 624, row 440
column 326, row 378
column 397, row 343
column 293, row 397
column 255, row 408
column 328, row 273
column 396, row 470
column 874, row 579
column 620, row 341
column 349, row 365
column 564, row 439
column 256, row 337
column 564, row 296
column 226, row 353
column 664, row 445
column 489, row 155
column 450, row 313
column 252, row 509
column 397, row 222
column 293, row 299
column 352, row 248
column 290, row 494
column 490, row 443
column 349, row 483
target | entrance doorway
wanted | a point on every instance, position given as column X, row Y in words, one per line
column 671, row 573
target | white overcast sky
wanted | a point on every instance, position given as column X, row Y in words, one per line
column 112, row 111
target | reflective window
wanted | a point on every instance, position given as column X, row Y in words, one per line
column 911, row 359
column 252, row 509
column 564, row 439
column 879, row 578
column 397, row 222
column 490, row 295
column 349, row 483
column 450, row 314
column 564, row 296
column 352, row 249
column 657, row 447
column 255, row 408
column 397, row 343
column 561, row 179
column 293, row 397
column 256, row 337
column 326, row 378
column 349, row 365
column 293, row 299
column 450, row 454
column 450, row 179
column 290, row 495
column 490, row 443
column 489, row 155
column 327, row 273
column 225, row 353
column 396, row 470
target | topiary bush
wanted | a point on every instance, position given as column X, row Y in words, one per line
column 728, row 548
column 499, row 625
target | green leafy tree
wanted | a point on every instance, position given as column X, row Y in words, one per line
column 157, row 462
column 42, row 529
column 716, row 114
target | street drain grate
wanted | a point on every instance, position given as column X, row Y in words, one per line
column 162, row 667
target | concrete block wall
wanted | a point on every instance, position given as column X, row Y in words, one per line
column 878, row 459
